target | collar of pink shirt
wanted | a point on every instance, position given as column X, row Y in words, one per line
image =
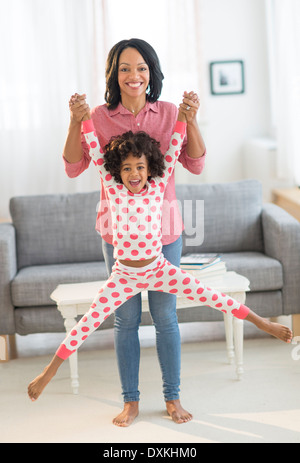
column 120, row 109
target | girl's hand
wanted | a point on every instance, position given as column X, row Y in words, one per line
column 79, row 109
column 190, row 105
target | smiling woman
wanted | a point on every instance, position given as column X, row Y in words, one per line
column 133, row 87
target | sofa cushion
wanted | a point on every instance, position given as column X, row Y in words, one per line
column 263, row 272
column 56, row 229
column 222, row 217
column 32, row 286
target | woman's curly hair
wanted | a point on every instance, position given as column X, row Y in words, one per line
column 137, row 144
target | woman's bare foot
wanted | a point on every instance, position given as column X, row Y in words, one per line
column 177, row 413
column 275, row 329
column 37, row 386
column 128, row 415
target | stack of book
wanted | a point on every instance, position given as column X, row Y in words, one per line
column 204, row 266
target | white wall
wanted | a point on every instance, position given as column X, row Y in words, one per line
column 233, row 29
column 228, row 29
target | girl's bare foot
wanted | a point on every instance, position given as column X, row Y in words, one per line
column 127, row 416
column 275, row 329
column 279, row 331
column 177, row 413
column 37, row 386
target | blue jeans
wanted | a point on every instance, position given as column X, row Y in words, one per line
column 162, row 307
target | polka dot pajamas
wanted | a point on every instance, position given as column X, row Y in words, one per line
column 126, row 281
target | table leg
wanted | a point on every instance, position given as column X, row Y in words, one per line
column 238, row 335
column 73, row 359
column 234, row 329
column 229, row 337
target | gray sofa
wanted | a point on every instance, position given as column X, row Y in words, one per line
column 52, row 240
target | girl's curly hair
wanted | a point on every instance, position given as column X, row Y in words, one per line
column 137, row 144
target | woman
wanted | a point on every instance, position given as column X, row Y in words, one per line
column 133, row 86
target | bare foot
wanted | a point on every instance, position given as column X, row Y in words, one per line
column 275, row 329
column 37, row 386
column 127, row 416
column 279, row 331
column 177, row 413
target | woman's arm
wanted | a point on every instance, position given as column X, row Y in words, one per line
column 195, row 147
column 195, row 144
column 73, row 151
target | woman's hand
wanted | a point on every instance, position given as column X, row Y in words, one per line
column 190, row 105
column 195, row 144
column 79, row 109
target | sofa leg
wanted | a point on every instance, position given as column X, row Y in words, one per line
column 3, row 349
column 8, row 349
column 296, row 325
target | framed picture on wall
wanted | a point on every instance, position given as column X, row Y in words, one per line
column 227, row 77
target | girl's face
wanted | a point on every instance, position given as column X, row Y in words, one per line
column 133, row 74
column 134, row 173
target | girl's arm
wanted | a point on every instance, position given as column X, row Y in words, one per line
column 173, row 152
column 91, row 138
column 95, row 150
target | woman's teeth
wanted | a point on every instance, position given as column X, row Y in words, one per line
column 134, row 85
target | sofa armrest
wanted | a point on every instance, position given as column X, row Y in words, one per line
column 281, row 234
column 8, row 270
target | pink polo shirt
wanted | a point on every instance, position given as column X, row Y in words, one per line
column 158, row 120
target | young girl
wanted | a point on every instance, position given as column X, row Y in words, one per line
column 135, row 177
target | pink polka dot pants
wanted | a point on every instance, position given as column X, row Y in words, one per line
column 125, row 282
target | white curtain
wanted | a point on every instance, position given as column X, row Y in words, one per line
column 51, row 49
column 286, row 17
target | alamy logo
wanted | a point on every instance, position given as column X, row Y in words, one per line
column 296, row 349
column 191, row 211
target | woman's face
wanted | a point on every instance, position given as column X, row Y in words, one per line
column 133, row 74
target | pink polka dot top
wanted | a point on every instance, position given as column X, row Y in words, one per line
column 136, row 218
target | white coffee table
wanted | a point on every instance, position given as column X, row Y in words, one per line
column 75, row 299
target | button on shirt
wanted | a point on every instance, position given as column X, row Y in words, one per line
column 158, row 120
